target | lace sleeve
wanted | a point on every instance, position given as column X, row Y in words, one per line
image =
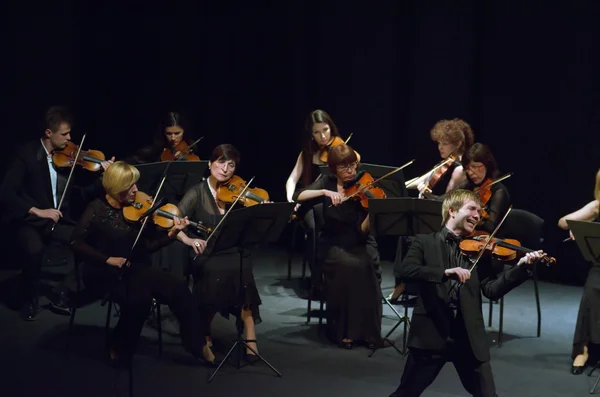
column 189, row 202
column 82, row 233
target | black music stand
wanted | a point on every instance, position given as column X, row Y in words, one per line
column 241, row 229
column 587, row 236
column 403, row 216
column 182, row 176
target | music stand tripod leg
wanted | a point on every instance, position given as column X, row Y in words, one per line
column 386, row 337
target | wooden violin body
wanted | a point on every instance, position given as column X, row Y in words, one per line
column 439, row 173
column 162, row 217
column 180, row 152
column 502, row 249
column 229, row 191
column 89, row 159
column 363, row 189
column 324, row 155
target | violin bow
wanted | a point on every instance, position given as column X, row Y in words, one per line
column 430, row 173
column 62, row 197
column 493, row 182
column 362, row 189
column 189, row 149
column 227, row 213
column 345, row 142
column 489, row 239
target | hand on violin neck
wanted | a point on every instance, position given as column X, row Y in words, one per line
column 458, row 273
column 178, row 225
column 107, row 163
column 531, row 258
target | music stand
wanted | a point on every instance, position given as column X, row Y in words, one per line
column 403, row 216
column 183, row 174
column 587, row 236
column 241, row 229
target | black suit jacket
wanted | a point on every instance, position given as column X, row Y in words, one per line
column 432, row 317
column 27, row 184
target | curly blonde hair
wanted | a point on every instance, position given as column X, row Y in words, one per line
column 454, row 131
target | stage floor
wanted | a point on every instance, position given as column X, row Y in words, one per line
column 35, row 362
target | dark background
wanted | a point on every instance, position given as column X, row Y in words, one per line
column 524, row 75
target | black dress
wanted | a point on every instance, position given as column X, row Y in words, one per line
column 353, row 294
column 217, row 275
column 103, row 232
column 587, row 328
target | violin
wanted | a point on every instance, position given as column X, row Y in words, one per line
column 180, row 152
column 229, row 191
column 363, row 188
column 502, row 249
column 89, row 159
column 438, row 173
column 336, row 141
column 162, row 217
column 485, row 192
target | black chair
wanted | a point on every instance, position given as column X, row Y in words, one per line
column 308, row 233
column 525, row 227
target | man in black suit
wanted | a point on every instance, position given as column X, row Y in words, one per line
column 447, row 322
column 30, row 194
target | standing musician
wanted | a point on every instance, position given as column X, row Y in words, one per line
column 30, row 194
column 103, row 239
column 481, row 169
column 353, row 295
column 454, row 137
column 449, row 327
column 217, row 277
column 587, row 335
column 170, row 142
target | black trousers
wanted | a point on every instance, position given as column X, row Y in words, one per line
column 32, row 242
column 134, row 294
column 423, row 366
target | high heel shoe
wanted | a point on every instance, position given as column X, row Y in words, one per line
column 202, row 357
column 577, row 369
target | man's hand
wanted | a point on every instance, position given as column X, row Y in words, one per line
column 531, row 257
column 117, row 261
column 458, row 273
column 49, row 213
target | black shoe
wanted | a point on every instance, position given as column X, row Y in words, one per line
column 29, row 311
column 346, row 345
column 577, row 370
column 59, row 304
column 251, row 358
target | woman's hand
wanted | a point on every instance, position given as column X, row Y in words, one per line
column 178, row 225
column 336, row 198
column 107, row 163
column 197, row 245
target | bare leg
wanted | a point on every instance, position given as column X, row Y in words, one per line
column 248, row 321
column 581, row 359
column 206, row 351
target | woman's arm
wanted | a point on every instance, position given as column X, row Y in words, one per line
column 79, row 237
column 292, row 181
column 458, row 176
column 587, row 214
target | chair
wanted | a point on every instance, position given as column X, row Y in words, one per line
column 308, row 233
column 525, row 227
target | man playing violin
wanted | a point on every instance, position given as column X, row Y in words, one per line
column 353, row 294
column 447, row 322
column 30, row 193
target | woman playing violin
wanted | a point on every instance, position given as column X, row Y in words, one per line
column 453, row 138
column 587, row 335
column 103, row 240
column 353, row 294
column 481, row 170
column 170, row 142
column 217, row 277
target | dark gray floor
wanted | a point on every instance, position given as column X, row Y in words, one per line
column 35, row 362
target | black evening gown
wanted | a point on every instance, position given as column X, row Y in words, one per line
column 353, row 294
column 217, row 275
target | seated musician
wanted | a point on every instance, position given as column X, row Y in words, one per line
column 30, row 195
column 353, row 294
column 453, row 138
column 217, row 286
column 587, row 335
column 481, row 169
column 320, row 132
column 103, row 240
column 168, row 140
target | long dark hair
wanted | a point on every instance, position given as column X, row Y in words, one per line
column 171, row 119
column 310, row 146
column 481, row 153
